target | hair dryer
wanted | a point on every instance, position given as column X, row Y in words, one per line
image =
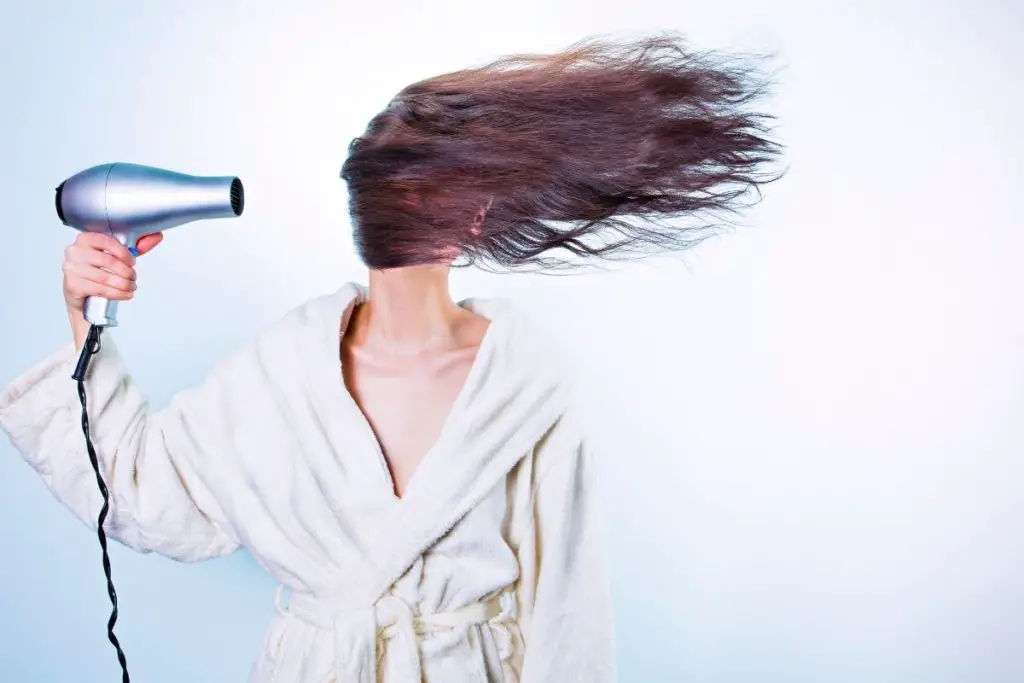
column 129, row 201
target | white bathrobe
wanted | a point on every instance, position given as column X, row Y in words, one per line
column 489, row 569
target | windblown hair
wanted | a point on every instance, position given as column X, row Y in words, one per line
column 614, row 150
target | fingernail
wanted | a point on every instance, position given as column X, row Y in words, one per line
column 134, row 252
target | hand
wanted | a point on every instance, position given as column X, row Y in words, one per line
column 98, row 265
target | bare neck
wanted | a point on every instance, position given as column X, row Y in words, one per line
column 408, row 311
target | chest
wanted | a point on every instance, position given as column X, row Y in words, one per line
column 407, row 405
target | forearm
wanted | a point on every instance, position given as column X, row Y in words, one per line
column 151, row 508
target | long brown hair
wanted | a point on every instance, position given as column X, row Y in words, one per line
column 608, row 149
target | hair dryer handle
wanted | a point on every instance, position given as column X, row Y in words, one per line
column 103, row 312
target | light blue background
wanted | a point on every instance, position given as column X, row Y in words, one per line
column 812, row 436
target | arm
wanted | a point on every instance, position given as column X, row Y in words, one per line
column 565, row 598
column 157, row 466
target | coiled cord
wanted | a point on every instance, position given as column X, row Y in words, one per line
column 91, row 347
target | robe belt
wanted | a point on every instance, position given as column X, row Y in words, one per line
column 360, row 634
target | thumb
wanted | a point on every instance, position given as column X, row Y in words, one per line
column 148, row 242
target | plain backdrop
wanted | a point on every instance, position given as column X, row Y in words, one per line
column 810, row 431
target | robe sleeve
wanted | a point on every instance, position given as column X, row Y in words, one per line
column 152, row 462
column 568, row 628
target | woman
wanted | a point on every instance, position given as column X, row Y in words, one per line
column 410, row 469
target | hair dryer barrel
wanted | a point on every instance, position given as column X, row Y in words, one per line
column 129, row 201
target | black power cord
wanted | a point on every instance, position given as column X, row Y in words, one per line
column 89, row 349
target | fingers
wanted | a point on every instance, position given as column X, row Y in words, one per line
column 80, row 285
column 83, row 280
column 88, row 256
column 104, row 242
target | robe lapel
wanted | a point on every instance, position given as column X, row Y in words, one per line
column 336, row 421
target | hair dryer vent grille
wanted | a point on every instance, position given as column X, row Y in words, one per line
column 237, row 197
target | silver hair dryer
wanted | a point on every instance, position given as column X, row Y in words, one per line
column 129, row 201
